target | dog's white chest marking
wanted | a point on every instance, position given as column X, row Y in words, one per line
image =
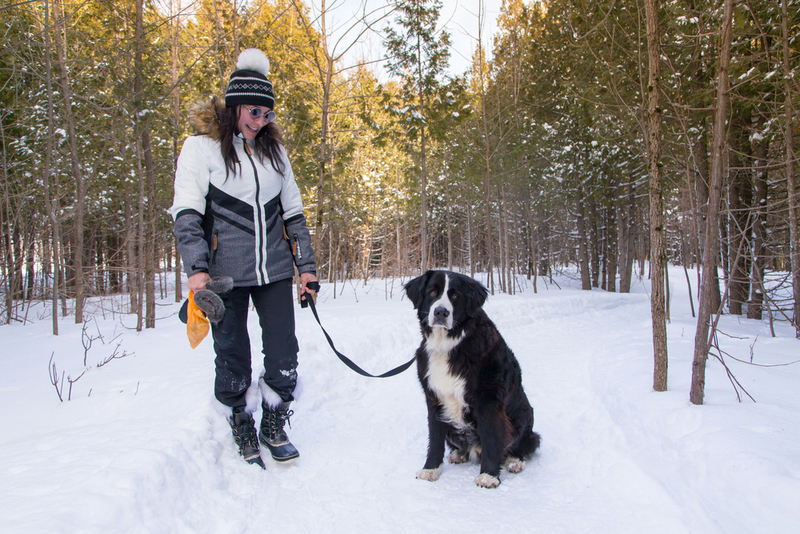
column 447, row 387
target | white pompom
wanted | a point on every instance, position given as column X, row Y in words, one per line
column 253, row 59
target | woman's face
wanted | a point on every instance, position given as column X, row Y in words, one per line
column 250, row 124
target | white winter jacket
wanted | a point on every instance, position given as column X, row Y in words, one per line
column 250, row 225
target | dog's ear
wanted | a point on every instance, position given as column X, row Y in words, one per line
column 415, row 289
column 475, row 295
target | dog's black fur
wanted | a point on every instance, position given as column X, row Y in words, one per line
column 471, row 379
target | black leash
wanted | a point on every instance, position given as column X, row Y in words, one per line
column 305, row 301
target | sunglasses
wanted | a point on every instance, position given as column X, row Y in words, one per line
column 256, row 113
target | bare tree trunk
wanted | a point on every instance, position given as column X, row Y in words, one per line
column 218, row 54
column 739, row 199
column 140, row 254
column 130, row 251
column 756, row 303
column 593, row 245
column 701, row 185
column 449, row 222
column 543, row 245
column 501, row 236
column 176, row 118
column 658, row 255
column 326, row 76
column 611, row 240
column 398, row 237
column 489, row 236
column 470, row 257
column 626, row 245
column 8, row 255
column 486, row 157
column 80, row 189
column 583, row 250
column 147, row 191
column 791, row 186
column 423, row 162
column 150, row 242
column 701, row 343
column 48, row 152
column 30, row 242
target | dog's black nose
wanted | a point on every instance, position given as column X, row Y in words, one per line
column 440, row 314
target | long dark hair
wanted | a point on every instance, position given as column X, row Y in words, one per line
column 268, row 142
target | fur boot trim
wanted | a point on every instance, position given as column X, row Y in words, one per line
column 272, row 399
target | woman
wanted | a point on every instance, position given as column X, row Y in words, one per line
column 238, row 213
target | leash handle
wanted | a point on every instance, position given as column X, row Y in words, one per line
column 347, row 361
column 304, row 298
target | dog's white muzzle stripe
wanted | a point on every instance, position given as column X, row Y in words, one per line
column 444, row 317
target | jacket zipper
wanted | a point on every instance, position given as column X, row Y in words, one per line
column 260, row 237
column 214, row 247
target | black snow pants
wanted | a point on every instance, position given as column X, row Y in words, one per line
column 275, row 309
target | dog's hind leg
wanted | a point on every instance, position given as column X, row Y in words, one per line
column 525, row 445
column 458, row 457
column 514, row 464
column 460, row 444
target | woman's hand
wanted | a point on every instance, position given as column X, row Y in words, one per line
column 197, row 281
column 305, row 278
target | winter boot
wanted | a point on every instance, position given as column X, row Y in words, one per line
column 244, row 433
column 272, row 434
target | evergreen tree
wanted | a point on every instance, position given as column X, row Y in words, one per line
column 418, row 54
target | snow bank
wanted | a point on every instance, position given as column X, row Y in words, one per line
column 140, row 447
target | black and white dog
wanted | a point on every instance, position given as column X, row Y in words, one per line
column 471, row 379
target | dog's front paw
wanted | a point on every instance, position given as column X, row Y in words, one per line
column 430, row 474
column 485, row 480
column 457, row 457
column 514, row 465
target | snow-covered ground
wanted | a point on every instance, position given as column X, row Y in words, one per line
column 141, row 448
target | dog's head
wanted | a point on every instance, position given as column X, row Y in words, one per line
column 445, row 299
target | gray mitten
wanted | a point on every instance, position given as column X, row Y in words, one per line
column 220, row 285
column 210, row 303
column 208, row 299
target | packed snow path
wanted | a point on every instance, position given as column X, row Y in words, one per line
column 141, row 448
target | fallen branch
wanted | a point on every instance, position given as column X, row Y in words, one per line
column 733, row 380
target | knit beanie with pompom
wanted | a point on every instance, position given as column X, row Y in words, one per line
column 249, row 84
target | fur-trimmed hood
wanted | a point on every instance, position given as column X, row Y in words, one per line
column 204, row 119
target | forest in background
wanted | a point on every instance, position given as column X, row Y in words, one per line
column 600, row 135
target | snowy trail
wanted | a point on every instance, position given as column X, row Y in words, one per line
column 140, row 447
column 587, row 470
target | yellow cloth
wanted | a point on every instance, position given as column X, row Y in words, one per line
column 196, row 322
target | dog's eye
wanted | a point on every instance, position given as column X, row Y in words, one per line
column 433, row 293
column 453, row 296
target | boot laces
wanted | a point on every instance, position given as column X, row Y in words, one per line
column 246, row 434
column 284, row 416
column 277, row 418
column 245, row 431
